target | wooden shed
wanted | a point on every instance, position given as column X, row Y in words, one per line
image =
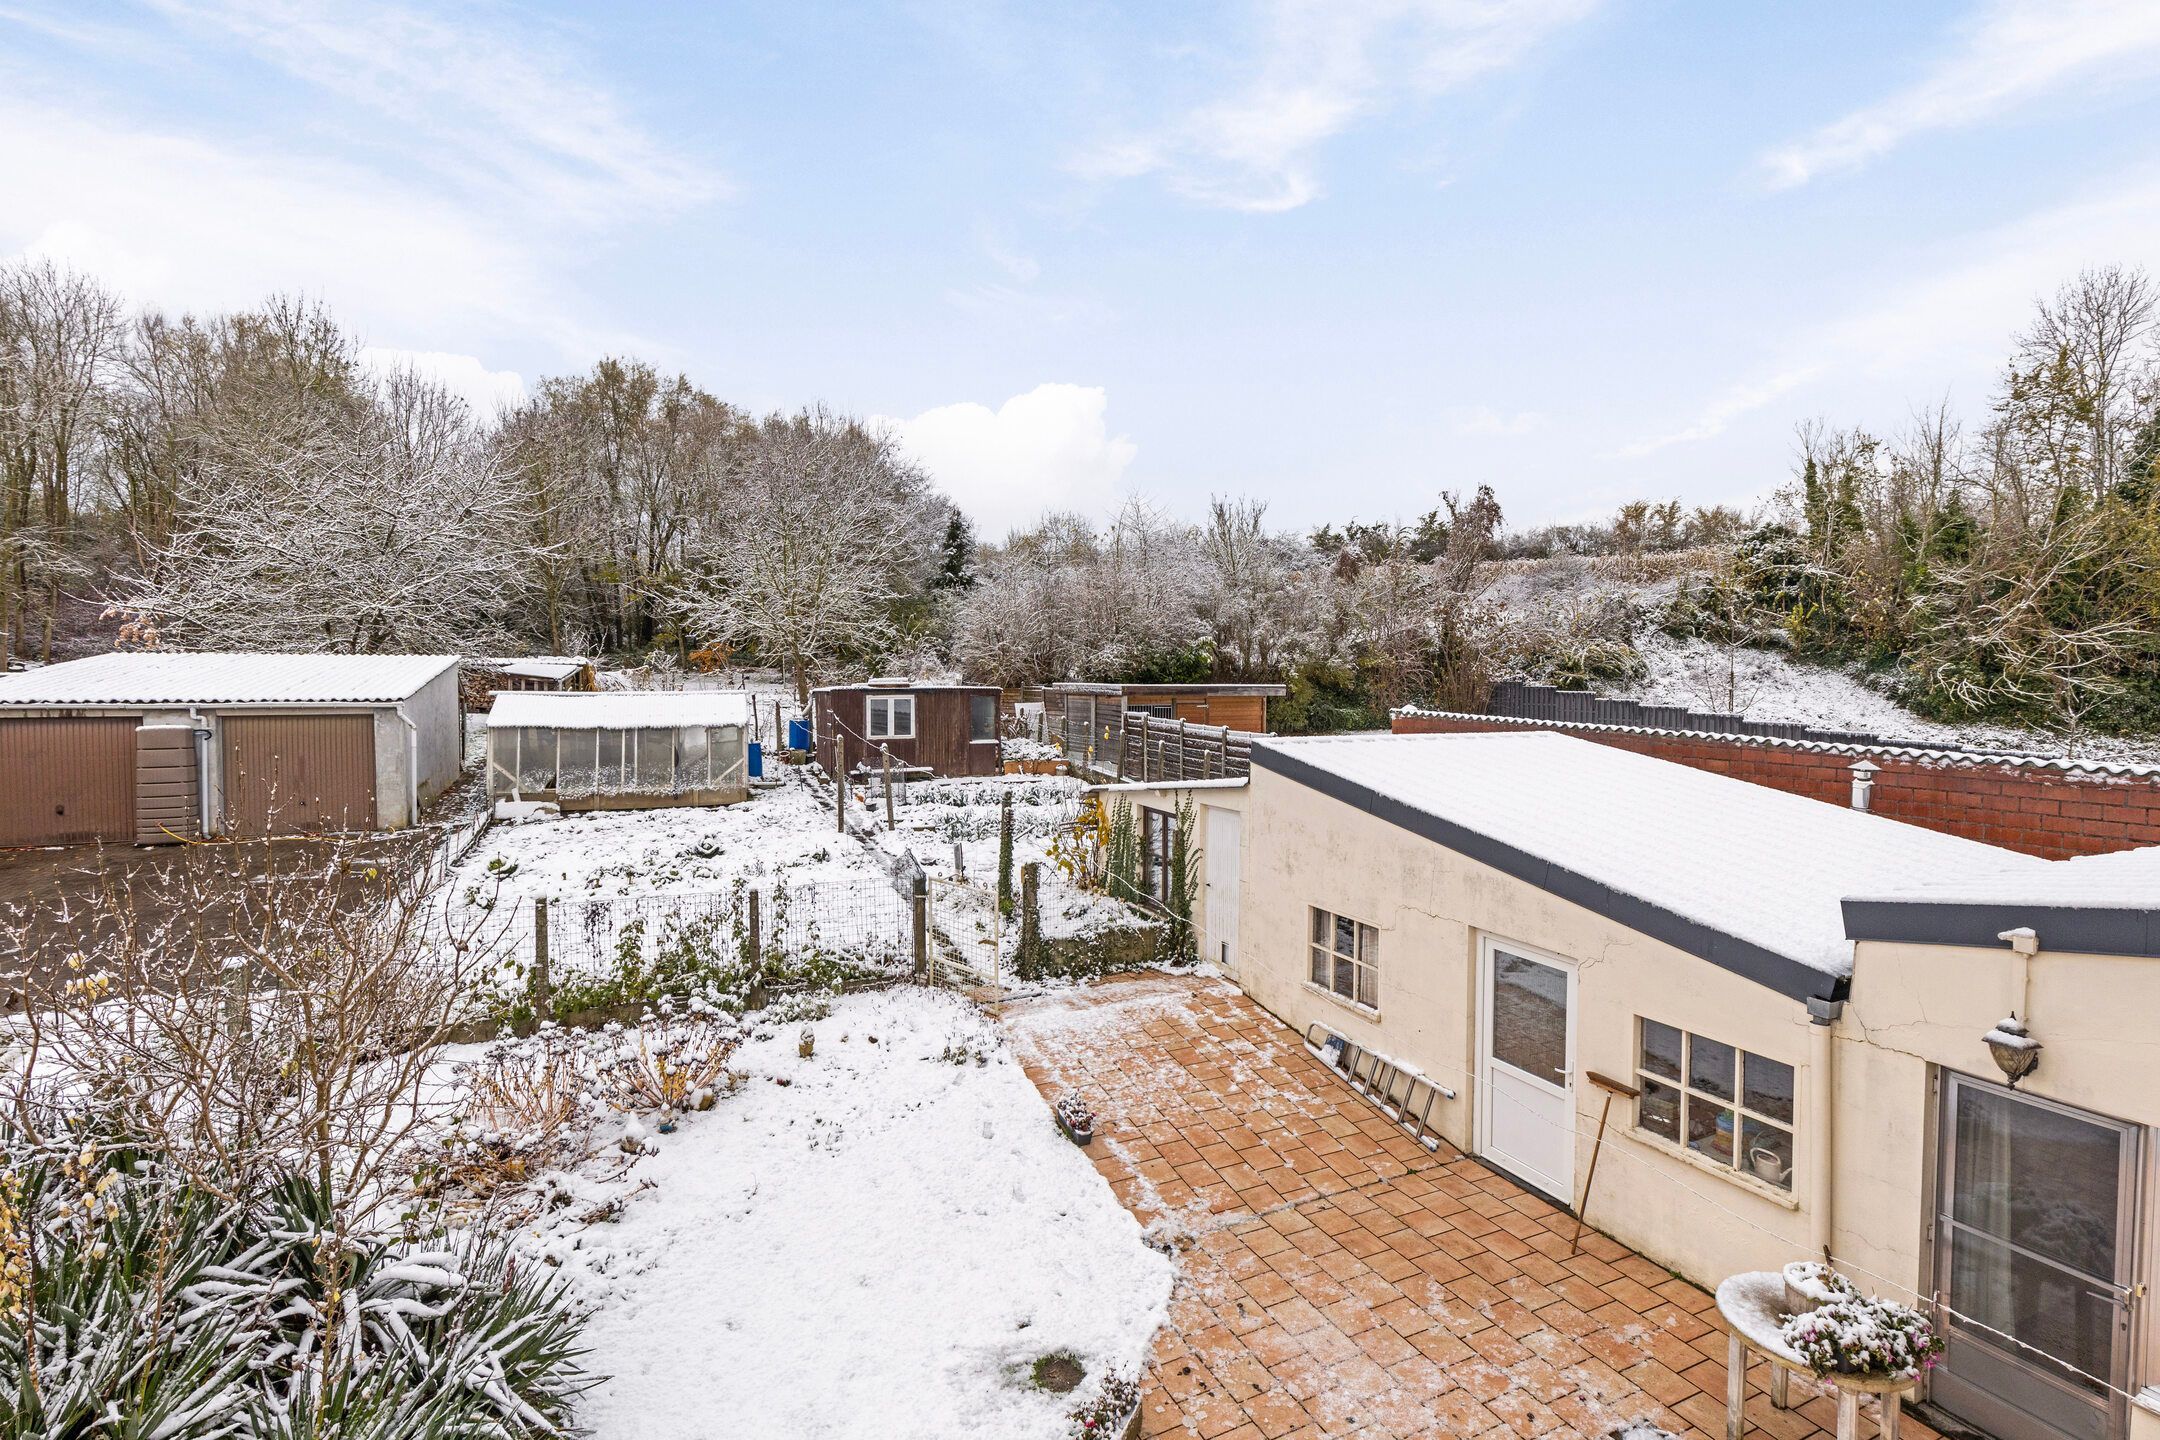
column 158, row 747
column 1236, row 707
column 945, row 729
column 621, row 749
column 479, row 679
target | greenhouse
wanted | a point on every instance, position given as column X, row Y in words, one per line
column 620, row 750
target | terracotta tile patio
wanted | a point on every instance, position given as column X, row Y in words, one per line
column 1336, row 1277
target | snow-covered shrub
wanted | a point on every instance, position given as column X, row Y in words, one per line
column 527, row 1105
column 1852, row 1334
column 196, row 1314
column 679, row 1062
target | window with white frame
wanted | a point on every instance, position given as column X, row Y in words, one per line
column 1345, row 958
column 1158, row 841
column 1729, row 1106
column 892, row 717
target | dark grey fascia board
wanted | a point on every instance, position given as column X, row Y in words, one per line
column 1767, row 968
column 2078, row 929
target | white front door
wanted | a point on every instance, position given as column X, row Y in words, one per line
column 1526, row 1066
column 1224, row 830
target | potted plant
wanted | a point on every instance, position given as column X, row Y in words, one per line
column 1074, row 1118
column 1853, row 1334
column 1810, row 1283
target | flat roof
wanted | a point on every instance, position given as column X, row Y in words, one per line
column 619, row 709
column 541, row 667
column 898, row 686
column 1748, row 878
column 169, row 677
column 2096, row 904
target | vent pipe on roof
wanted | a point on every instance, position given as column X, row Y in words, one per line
column 1863, row 783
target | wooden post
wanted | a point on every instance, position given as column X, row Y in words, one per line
column 886, row 751
column 1030, row 927
column 779, row 735
column 757, row 939
column 920, row 909
column 959, row 861
column 1181, row 775
column 839, row 784
column 543, row 984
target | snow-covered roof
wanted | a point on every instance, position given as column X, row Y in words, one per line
column 543, row 667
column 165, row 677
column 2125, row 879
column 1745, row 876
column 619, row 709
column 2098, row 904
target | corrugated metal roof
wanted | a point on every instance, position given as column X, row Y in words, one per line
column 619, row 709
column 163, row 677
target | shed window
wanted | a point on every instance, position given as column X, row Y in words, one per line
column 1730, row 1106
column 654, row 772
column 536, row 758
column 982, row 717
column 1344, row 955
column 579, row 760
column 892, row 717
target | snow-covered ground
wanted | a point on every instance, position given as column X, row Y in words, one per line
column 878, row 1241
column 1768, row 685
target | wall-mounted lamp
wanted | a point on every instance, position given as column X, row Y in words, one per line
column 2016, row 1053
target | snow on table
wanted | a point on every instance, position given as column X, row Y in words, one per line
column 883, row 1247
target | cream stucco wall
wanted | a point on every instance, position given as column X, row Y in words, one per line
column 1432, row 907
column 1914, row 1011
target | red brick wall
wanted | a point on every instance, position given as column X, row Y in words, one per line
column 2039, row 810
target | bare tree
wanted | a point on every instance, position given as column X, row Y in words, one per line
column 58, row 333
column 828, row 527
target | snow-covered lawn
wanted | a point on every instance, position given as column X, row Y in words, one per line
column 786, row 832
column 878, row 1241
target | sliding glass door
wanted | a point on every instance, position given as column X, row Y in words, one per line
column 2034, row 1240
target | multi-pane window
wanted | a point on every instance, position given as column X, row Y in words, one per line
column 892, row 717
column 1345, row 958
column 1157, row 841
column 982, row 717
column 1728, row 1105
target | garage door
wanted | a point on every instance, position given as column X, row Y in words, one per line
column 67, row 782
column 299, row 774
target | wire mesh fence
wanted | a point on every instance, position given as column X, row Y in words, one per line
column 769, row 934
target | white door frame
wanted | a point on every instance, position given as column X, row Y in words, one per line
column 1483, row 1061
column 1212, row 908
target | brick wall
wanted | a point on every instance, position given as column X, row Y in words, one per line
column 2041, row 810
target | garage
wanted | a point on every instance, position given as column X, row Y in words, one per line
column 299, row 774
column 69, row 781
column 165, row 747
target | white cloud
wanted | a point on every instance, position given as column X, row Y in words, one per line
column 1321, row 67
column 2015, row 52
column 1957, row 322
column 486, row 392
column 1050, row 449
column 178, row 221
column 1484, row 420
column 506, row 105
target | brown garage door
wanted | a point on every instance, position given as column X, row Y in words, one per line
column 299, row 774
column 67, row 782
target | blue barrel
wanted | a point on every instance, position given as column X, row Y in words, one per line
column 798, row 734
column 757, row 760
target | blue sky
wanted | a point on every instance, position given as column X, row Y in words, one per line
column 1335, row 255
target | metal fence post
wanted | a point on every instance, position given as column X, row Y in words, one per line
column 919, row 908
column 543, row 987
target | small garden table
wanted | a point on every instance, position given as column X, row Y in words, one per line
column 1753, row 1305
